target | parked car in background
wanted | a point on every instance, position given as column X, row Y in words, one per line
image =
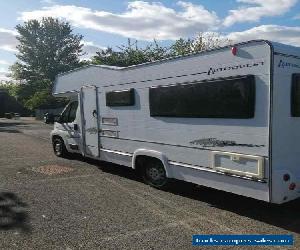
column 49, row 118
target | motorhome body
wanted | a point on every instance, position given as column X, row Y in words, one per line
column 225, row 120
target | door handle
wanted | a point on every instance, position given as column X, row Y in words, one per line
column 95, row 113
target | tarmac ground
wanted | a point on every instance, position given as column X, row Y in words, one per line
column 53, row 203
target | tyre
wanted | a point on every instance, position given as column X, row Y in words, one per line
column 154, row 174
column 59, row 148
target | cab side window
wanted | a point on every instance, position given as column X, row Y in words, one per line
column 69, row 114
column 72, row 113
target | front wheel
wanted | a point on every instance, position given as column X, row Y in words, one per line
column 154, row 174
column 59, row 148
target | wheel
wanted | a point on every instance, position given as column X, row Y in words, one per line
column 154, row 174
column 59, row 148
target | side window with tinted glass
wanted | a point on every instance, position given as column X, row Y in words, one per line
column 295, row 95
column 69, row 114
column 65, row 114
column 73, row 110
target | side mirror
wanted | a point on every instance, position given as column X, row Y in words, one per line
column 48, row 118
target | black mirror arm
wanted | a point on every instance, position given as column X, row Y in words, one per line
column 95, row 113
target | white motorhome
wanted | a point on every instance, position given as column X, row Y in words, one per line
column 227, row 118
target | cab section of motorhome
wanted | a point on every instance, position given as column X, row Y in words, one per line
column 66, row 134
column 207, row 118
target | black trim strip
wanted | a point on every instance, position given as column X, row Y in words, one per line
column 74, row 146
column 151, row 80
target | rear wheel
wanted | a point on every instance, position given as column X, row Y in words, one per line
column 154, row 174
column 59, row 147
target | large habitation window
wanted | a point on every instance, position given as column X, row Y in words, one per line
column 222, row 98
column 295, row 95
column 120, row 98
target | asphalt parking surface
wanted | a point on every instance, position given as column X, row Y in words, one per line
column 52, row 203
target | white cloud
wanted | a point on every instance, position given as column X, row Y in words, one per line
column 90, row 49
column 3, row 62
column 261, row 8
column 4, row 75
column 48, row 2
column 142, row 20
column 8, row 40
column 277, row 33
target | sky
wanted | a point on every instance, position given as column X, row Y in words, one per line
column 110, row 23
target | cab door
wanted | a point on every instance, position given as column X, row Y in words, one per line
column 68, row 126
column 90, row 120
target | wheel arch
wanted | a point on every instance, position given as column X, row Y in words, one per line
column 56, row 136
column 149, row 153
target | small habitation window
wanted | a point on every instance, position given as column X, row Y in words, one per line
column 295, row 96
column 120, row 98
column 221, row 98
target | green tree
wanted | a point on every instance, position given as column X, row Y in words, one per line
column 209, row 40
column 181, row 47
column 46, row 48
column 43, row 99
column 10, row 87
column 132, row 54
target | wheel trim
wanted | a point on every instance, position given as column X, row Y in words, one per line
column 58, row 148
column 156, row 175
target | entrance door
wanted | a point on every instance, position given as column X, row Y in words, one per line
column 90, row 120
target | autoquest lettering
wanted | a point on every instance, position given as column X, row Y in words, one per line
column 282, row 64
column 212, row 70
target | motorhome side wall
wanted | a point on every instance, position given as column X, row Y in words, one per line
column 184, row 140
column 285, row 128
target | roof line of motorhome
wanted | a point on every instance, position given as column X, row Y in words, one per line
column 286, row 55
column 163, row 60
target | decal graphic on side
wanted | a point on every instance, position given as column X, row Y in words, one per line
column 93, row 130
column 282, row 64
column 223, row 68
column 212, row 71
column 213, row 142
